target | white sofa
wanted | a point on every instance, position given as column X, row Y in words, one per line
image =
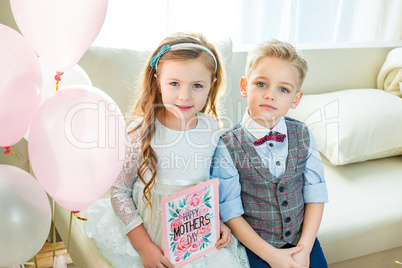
column 362, row 223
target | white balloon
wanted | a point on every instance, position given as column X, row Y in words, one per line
column 25, row 216
column 74, row 76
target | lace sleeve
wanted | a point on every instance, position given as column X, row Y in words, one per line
column 122, row 189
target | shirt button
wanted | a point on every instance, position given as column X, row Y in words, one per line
column 278, row 163
column 287, row 219
column 288, row 233
column 271, row 145
column 281, row 189
column 285, row 203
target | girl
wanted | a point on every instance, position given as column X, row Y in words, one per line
column 171, row 144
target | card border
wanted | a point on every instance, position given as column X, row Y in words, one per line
column 215, row 184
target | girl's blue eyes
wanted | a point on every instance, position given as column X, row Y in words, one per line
column 175, row 84
column 197, row 86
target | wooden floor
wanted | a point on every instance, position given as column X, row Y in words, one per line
column 44, row 258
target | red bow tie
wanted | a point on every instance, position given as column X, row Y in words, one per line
column 272, row 136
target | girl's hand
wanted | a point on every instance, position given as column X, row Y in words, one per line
column 226, row 237
column 152, row 257
column 283, row 258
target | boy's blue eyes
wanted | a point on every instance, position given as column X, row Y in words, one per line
column 282, row 89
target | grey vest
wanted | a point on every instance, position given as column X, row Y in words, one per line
column 274, row 207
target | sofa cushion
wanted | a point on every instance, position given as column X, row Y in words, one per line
column 363, row 215
column 353, row 125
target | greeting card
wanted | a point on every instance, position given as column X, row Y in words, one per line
column 190, row 222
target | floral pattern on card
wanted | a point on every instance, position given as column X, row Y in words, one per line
column 191, row 223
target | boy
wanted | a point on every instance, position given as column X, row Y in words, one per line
column 272, row 187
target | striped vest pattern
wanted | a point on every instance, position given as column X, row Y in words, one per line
column 274, row 207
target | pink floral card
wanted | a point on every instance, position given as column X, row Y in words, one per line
column 190, row 222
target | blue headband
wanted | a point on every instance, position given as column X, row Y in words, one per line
column 164, row 49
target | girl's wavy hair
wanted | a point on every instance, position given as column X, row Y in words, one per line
column 149, row 103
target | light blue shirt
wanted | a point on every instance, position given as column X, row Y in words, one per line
column 273, row 155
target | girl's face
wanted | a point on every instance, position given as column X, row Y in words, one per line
column 184, row 86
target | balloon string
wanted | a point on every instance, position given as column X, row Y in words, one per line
column 12, row 157
column 69, row 228
column 78, row 217
column 69, row 233
column 57, row 77
column 8, row 151
column 54, row 229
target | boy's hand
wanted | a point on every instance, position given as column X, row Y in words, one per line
column 302, row 257
column 283, row 258
column 152, row 257
column 226, row 237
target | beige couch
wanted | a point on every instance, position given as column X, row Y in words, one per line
column 362, row 224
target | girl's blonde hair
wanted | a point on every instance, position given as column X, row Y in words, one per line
column 149, row 103
column 279, row 49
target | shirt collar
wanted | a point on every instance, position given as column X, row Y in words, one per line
column 259, row 131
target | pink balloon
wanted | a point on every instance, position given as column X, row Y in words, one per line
column 60, row 30
column 74, row 76
column 77, row 145
column 20, row 86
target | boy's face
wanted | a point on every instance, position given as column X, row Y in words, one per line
column 271, row 89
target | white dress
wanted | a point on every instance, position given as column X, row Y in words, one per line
column 184, row 159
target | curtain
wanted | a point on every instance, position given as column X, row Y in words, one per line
column 317, row 21
column 142, row 24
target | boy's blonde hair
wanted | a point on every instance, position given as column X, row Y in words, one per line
column 149, row 103
column 278, row 49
